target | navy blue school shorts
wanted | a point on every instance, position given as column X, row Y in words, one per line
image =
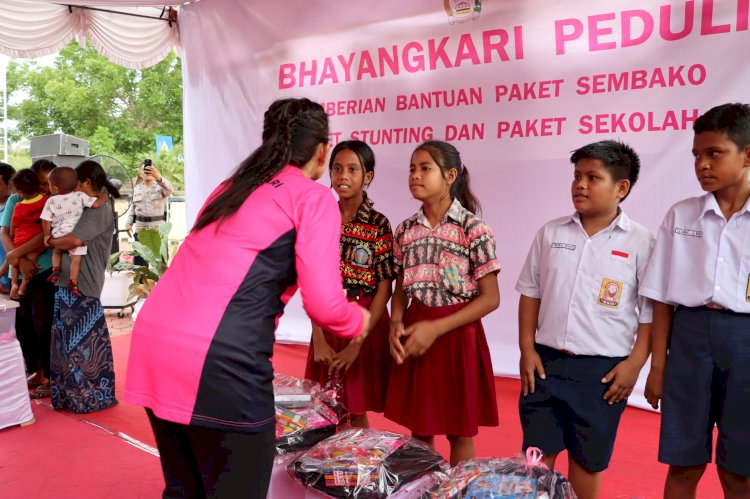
column 567, row 409
column 707, row 383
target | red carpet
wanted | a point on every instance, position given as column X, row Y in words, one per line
column 68, row 456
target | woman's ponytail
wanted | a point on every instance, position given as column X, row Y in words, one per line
column 292, row 131
column 113, row 191
column 448, row 158
column 461, row 190
column 93, row 172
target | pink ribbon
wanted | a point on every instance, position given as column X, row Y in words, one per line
column 534, row 456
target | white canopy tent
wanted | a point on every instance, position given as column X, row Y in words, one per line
column 130, row 33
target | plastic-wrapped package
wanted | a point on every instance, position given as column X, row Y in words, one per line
column 306, row 413
column 365, row 463
column 458, row 480
column 524, row 477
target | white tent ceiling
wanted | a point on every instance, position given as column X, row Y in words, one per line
column 132, row 33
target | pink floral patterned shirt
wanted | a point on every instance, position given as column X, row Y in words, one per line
column 441, row 265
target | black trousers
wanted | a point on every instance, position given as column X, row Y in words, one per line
column 202, row 462
column 137, row 260
column 34, row 322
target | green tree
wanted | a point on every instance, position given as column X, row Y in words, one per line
column 19, row 160
column 118, row 110
column 171, row 165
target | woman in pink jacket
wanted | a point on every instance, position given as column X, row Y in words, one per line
column 201, row 347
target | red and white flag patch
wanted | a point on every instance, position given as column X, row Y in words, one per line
column 620, row 255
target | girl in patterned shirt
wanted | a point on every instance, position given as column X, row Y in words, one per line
column 367, row 270
column 442, row 381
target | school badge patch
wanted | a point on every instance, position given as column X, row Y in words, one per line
column 747, row 291
column 452, row 274
column 361, row 256
column 610, row 292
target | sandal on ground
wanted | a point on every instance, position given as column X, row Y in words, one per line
column 41, row 392
column 31, row 381
column 55, row 275
column 29, row 422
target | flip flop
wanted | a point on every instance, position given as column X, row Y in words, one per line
column 41, row 392
column 55, row 275
column 73, row 287
column 30, row 383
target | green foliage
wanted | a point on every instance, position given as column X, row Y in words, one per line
column 103, row 142
column 118, row 110
column 18, row 160
column 153, row 247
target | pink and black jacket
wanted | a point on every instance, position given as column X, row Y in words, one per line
column 201, row 346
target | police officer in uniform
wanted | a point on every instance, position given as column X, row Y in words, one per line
column 149, row 207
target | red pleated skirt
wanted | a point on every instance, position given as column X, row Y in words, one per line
column 365, row 384
column 450, row 390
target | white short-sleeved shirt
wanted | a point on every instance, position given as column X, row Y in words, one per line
column 64, row 210
column 700, row 257
column 588, row 286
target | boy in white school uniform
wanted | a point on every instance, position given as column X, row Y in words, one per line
column 699, row 279
column 583, row 329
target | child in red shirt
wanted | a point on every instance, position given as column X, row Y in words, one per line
column 25, row 226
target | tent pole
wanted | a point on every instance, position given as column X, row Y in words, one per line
column 168, row 19
column 4, row 64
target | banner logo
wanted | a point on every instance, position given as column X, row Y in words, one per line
column 460, row 11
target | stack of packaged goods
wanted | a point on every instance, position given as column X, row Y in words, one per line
column 306, row 413
column 500, row 478
column 365, row 463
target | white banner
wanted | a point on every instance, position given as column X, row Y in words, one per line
column 514, row 85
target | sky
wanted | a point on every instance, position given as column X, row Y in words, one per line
column 46, row 60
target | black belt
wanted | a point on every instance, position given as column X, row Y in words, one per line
column 139, row 218
column 568, row 353
column 706, row 308
column 356, row 293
